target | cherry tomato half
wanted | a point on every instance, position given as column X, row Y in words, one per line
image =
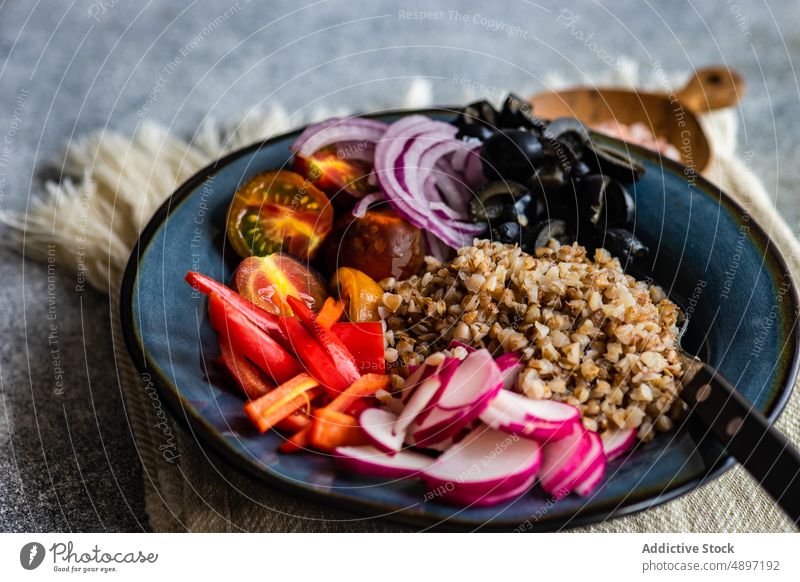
column 278, row 211
column 334, row 174
column 268, row 281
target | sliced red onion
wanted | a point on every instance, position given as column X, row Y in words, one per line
column 334, row 130
column 407, row 153
column 360, row 209
column 473, row 169
column 357, row 151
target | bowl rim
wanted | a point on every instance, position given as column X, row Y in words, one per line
column 182, row 411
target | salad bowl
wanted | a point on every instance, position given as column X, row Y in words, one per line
column 706, row 253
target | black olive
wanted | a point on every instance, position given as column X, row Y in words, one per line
column 550, row 176
column 513, row 154
column 592, row 199
column 568, row 131
column 479, row 111
column 540, row 233
column 517, row 112
column 580, row 169
column 500, row 201
column 605, row 203
column 477, row 130
column 623, row 244
column 620, row 211
column 555, row 202
column 507, row 233
column 613, row 162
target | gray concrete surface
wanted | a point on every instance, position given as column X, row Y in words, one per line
column 67, row 460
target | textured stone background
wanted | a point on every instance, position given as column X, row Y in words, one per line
column 67, row 461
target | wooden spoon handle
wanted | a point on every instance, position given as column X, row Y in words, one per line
column 712, row 88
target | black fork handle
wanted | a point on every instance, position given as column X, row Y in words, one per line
column 760, row 448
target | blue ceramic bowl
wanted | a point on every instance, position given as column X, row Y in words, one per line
column 705, row 251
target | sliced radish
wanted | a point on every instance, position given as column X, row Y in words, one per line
column 444, row 373
column 469, row 382
column 616, row 443
column 510, row 365
column 592, row 481
column 378, row 425
column 592, row 458
column 415, row 379
column 545, row 420
column 416, row 404
column 562, row 457
column 440, row 425
column 370, row 461
column 485, row 459
column 466, row 498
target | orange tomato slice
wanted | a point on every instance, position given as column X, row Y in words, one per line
column 361, row 294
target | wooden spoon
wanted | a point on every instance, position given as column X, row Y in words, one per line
column 673, row 116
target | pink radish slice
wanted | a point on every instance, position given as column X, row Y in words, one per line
column 417, row 377
column 368, row 460
column 484, row 460
column 464, row 498
column 470, row 381
column 592, row 481
column 618, row 442
column 378, row 425
column 591, row 459
column 416, row 404
column 510, row 365
column 540, row 419
column 440, row 425
column 444, row 372
column 562, row 457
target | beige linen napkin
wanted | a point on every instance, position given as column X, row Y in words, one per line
column 123, row 180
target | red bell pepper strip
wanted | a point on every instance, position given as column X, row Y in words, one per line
column 263, row 319
column 316, row 360
column 365, row 341
column 286, row 399
column 333, row 346
column 330, row 313
column 248, row 339
column 246, row 374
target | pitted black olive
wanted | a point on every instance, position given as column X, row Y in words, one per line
column 623, row 244
column 538, row 235
column 568, row 131
column 500, row 201
column 557, row 202
column 580, row 170
column 516, row 112
column 620, row 211
column 479, row 111
column 613, row 162
column 476, row 130
column 507, row 233
column 591, row 199
column 513, row 154
column 604, row 203
column 550, row 176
